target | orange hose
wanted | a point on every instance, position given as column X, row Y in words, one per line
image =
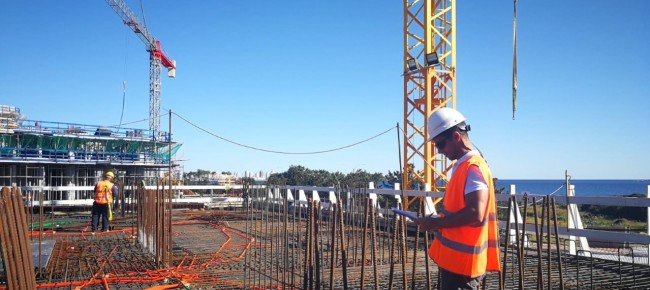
column 162, row 287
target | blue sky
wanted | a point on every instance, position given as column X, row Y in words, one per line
column 301, row 76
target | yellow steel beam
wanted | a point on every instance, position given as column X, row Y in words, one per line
column 429, row 26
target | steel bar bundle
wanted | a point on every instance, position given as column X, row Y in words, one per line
column 154, row 223
column 14, row 238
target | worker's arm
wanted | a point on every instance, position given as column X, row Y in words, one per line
column 115, row 192
column 472, row 213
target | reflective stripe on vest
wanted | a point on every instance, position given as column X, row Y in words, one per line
column 466, row 248
column 473, row 249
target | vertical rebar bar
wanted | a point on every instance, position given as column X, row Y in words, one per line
column 257, row 224
column 520, row 254
column 333, row 246
column 317, row 247
column 286, row 239
column 416, row 241
column 306, row 269
column 279, row 239
column 548, row 233
column 403, row 252
column 265, row 255
column 557, row 244
column 11, row 275
column 300, row 243
column 41, row 267
column 538, row 244
column 366, row 215
column 13, row 228
column 344, row 257
column 507, row 243
column 392, row 253
column 29, row 266
column 426, row 260
column 168, row 218
column 374, row 243
column 248, row 235
column 524, row 237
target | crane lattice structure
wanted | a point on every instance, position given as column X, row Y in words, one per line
column 157, row 59
column 429, row 84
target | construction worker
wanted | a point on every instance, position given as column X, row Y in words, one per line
column 104, row 191
column 466, row 232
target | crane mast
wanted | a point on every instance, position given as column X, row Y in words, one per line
column 157, row 59
column 429, row 84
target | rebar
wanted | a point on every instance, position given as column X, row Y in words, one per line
column 507, row 243
column 557, row 244
column 219, row 249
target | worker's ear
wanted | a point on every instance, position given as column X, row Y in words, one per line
column 456, row 136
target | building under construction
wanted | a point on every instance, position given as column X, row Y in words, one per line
column 61, row 156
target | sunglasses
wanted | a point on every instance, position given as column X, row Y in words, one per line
column 440, row 144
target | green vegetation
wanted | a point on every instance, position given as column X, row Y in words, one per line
column 199, row 176
column 616, row 217
column 301, row 176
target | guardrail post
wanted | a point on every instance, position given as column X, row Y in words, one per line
column 429, row 207
column 373, row 196
column 575, row 222
column 511, row 218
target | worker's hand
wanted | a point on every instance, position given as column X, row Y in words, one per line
column 428, row 223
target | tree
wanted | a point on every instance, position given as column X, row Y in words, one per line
column 301, row 176
column 199, row 176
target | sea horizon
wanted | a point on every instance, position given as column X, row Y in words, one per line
column 583, row 187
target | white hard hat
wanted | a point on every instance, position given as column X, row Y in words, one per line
column 441, row 120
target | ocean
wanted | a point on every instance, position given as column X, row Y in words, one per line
column 583, row 187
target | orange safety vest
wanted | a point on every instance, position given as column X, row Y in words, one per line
column 468, row 250
column 104, row 192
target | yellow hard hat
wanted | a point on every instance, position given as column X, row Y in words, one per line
column 110, row 174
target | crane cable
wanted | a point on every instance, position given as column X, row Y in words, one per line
column 123, row 102
column 126, row 69
column 281, row 152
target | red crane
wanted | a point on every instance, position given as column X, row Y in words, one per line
column 157, row 59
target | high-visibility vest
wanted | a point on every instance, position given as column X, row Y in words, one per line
column 468, row 250
column 104, row 192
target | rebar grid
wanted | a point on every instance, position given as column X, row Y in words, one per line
column 272, row 244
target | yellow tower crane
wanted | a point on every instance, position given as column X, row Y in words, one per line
column 429, row 84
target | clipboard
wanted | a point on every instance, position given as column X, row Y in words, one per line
column 413, row 216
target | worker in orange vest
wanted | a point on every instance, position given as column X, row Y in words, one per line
column 104, row 191
column 466, row 243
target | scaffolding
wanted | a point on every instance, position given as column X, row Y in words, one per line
column 64, row 155
column 64, row 142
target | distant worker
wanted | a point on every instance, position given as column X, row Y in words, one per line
column 104, row 191
column 466, row 244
